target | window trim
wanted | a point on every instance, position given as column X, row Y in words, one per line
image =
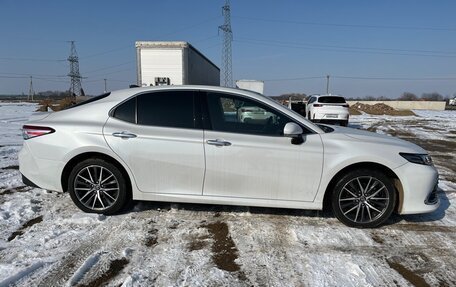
column 306, row 131
column 197, row 114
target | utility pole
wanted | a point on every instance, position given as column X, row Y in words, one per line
column 31, row 91
column 75, row 77
column 327, row 84
column 106, row 89
column 227, row 74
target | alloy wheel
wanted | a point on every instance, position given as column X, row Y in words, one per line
column 363, row 199
column 96, row 187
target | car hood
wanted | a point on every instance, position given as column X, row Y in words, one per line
column 366, row 137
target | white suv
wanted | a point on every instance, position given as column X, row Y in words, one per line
column 327, row 108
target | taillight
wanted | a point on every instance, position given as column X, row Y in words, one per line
column 29, row 132
column 317, row 105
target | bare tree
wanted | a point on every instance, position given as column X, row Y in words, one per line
column 407, row 96
column 432, row 97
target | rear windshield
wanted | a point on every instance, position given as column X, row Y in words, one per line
column 331, row 100
column 90, row 100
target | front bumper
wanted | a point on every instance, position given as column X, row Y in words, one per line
column 419, row 188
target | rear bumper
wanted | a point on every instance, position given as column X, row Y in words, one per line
column 38, row 172
column 330, row 116
column 28, row 182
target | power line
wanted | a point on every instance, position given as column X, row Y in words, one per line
column 34, row 78
column 110, row 67
column 365, row 78
column 348, row 47
column 187, row 27
column 108, row 79
column 346, row 25
column 31, row 59
column 341, row 50
column 397, row 78
column 28, row 74
column 114, row 72
column 295, row 79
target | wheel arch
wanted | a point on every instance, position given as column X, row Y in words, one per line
column 365, row 165
column 83, row 156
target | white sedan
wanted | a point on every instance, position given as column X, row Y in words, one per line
column 183, row 144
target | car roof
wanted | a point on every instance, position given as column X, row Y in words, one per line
column 132, row 91
column 325, row 95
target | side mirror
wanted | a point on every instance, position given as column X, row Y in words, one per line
column 292, row 130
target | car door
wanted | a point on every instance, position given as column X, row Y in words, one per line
column 157, row 135
column 308, row 107
column 248, row 157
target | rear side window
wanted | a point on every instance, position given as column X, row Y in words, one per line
column 126, row 111
column 167, row 109
column 331, row 100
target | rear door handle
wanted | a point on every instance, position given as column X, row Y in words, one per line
column 218, row 142
column 124, row 135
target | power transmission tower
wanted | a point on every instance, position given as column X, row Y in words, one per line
column 75, row 77
column 227, row 74
column 31, row 91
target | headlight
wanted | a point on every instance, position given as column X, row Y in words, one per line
column 417, row 158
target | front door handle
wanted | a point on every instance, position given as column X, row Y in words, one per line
column 218, row 142
column 124, row 135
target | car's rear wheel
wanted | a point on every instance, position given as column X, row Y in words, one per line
column 97, row 186
column 363, row 198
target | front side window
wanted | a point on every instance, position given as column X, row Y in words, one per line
column 167, row 109
column 229, row 113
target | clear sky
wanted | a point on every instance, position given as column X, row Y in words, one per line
column 376, row 48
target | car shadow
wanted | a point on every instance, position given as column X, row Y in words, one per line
column 214, row 209
column 217, row 210
column 426, row 217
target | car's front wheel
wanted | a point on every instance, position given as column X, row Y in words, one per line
column 97, row 186
column 363, row 198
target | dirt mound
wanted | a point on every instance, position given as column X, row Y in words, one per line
column 59, row 104
column 378, row 109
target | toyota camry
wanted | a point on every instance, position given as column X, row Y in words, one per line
column 215, row 145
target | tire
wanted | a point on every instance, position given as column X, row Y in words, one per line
column 89, row 195
column 363, row 198
column 308, row 116
column 344, row 123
